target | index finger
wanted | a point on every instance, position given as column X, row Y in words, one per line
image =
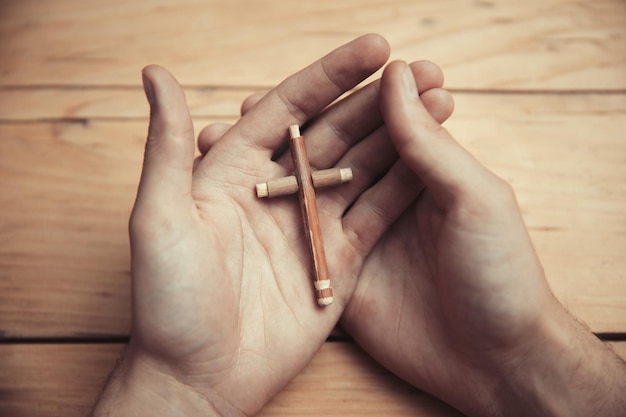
column 306, row 93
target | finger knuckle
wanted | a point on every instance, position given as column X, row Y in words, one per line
column 487, row 200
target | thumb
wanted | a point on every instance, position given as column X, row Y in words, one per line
column 168, row 159
column 444, row 167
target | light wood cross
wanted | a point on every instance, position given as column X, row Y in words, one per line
column 304, row 183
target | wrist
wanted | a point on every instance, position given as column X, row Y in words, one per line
column 142, row 386
column 561, row 370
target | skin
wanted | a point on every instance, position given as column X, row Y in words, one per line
column 433, row 271
column 453, row 297
column 223, row 307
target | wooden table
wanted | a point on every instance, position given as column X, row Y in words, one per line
column 540, row 88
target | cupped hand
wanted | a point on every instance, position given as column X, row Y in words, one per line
column 454, row 287
column 222, row 288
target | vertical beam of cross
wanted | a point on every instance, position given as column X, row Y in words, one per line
column 304, row 182
column 310, row 217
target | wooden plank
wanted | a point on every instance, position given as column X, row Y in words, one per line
column 65, row 379
column 67, row 190
column 490, row 44
column 47, row 104
column 66, row 196
column 67, row 193
column 51, row 380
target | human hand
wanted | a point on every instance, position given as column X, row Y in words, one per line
column 453, row 297
column 223, row 307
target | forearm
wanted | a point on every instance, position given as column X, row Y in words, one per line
column 137, row 388
column 566, row 371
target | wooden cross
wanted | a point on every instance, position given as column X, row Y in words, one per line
column 304, row 182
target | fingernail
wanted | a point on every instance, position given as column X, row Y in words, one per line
column 409, row 83
column 149, row 89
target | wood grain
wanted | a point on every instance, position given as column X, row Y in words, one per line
column 540, row 90
column 88, row 103
column 289, row 185
column 310, row 217
column 65, row 379
column 67, row 190
column 486, row 44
